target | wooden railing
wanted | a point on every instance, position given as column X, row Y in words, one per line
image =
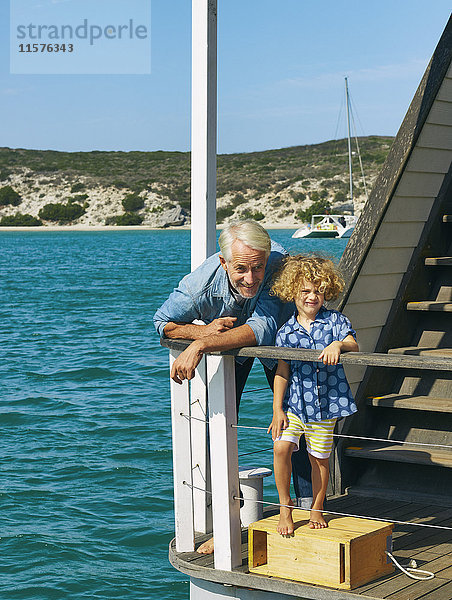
column 203, row 503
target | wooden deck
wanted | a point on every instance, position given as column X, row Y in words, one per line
column 430, row 548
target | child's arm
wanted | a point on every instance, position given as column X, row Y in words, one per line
column 330, row 355
column 279, row 421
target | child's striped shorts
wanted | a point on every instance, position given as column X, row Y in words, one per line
column 318, row 434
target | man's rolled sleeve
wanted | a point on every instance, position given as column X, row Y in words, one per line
column 264, row 319
column 180, row 307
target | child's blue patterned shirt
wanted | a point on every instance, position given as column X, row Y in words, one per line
column 316, row 391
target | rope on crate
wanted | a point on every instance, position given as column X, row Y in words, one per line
column 410, row 571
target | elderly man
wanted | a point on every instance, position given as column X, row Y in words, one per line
column 229, row 292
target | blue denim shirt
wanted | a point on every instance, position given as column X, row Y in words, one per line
column 316, row 391
column 204, row 294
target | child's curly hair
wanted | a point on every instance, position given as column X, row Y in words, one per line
column 322, row 272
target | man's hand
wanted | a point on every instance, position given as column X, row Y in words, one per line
column 185, row 364
column 219, row 325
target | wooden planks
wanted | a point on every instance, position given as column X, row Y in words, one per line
column 440, row 261
column 431, row 160
column 399, row 235
column 441, row 113
column 427, row 547
column 430, row 305
column 435, row 136
column 413, row 402
column 369, row 314
column 413, row 357
column 385, row 261
column 406, row 209
column 445, row 353
column 406, row 453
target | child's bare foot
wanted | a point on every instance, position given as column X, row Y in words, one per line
column 206, row 547
column 285, row 525
column 317, row 521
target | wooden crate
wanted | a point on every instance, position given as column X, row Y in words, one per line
column 348, row 553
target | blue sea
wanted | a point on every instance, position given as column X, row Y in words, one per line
column 86, row 481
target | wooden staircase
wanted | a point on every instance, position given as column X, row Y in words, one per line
column 406, row 404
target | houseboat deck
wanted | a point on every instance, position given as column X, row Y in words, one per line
column 430, row 548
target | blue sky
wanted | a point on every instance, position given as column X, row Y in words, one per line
column 281, row 68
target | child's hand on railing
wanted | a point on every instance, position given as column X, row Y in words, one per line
column 278, row 424
column 330, row 355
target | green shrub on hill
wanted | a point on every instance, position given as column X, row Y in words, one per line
column 340, row 196
column 237, row 200
column 249, row 214
column 251, row 175
column 76, row 198
column 9, row 196
column 298, row 196
column 132, row 203
column 224, row 212
column 4, row 174
column 20, row 220
column 61, row 213
column 319, row 207
column 128, row 219
column 120, row 184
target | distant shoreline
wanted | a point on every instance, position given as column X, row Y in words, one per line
column 126, row 227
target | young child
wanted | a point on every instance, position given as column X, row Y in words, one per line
column 309, row 396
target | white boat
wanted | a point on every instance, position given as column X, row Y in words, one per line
column 328, row 226
column 335, row 226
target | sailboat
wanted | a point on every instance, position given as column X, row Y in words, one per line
column 333, row 226
column 328, row 226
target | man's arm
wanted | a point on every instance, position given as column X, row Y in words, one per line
column 192, row 331
column 185, row 364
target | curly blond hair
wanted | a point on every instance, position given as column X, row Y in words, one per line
column 320, row 271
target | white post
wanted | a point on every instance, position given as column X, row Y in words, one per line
column 200, row 452
column 182, row 463
column 204, row 130
column 252, row 487
column 224, row 462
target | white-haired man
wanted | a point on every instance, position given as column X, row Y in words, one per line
column 230, row 293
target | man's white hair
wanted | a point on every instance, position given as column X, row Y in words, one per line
column 249, row 232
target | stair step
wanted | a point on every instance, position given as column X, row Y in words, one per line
column 440, row 261
column 425, row 403
column 420, row 351
column 447, row 218
column 402, row 453
column 430, row 305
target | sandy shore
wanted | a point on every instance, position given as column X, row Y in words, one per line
column 129, row 227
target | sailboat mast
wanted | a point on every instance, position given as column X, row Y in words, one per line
column 347, row 100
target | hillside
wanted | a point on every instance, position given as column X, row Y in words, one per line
column 274, row 186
